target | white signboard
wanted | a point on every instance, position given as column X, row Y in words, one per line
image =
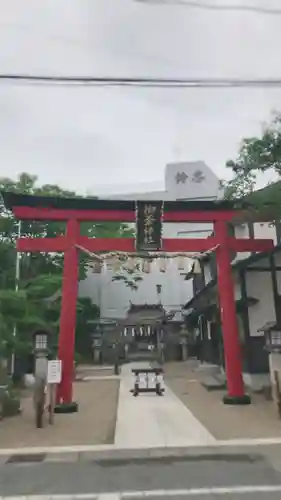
column 54, row 371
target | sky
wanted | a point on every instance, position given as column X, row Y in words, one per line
column 106, row 140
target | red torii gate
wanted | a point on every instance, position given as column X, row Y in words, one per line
column 75, row 211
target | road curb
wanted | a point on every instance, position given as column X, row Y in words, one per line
column 190, row 492
column 91, row 454
column 144, row 449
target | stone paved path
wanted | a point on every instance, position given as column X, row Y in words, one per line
column 150, row 420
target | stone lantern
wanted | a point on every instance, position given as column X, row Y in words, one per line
column 41, row 338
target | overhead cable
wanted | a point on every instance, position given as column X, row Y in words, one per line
column 141, row 81
column 215, row 7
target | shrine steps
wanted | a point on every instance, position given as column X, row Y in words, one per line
column 214, row 382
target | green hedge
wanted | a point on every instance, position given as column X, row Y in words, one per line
column 10, row 403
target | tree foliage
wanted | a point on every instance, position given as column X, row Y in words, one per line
column 130, row 277
column 37, row 302
column 258, row 155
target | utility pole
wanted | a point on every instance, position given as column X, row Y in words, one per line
column 17, row 278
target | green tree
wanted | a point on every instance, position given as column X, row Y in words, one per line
column 34, row 264
column 86, row 313
column 258, row 155
column 38, row 299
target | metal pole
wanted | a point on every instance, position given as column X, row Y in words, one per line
column 100, row 290
column 17, row 278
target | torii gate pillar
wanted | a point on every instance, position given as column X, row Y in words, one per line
column 66, row 347
column 232, row 349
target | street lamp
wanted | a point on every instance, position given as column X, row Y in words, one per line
column 41, row 351
column 97, row 343
column 41, row 342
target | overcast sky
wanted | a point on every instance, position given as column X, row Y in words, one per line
column 100, row 139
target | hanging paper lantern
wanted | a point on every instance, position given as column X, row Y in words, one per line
column 110, row 262
column 116, row 264
column 146, row 266
column 131, row 264
column 97, row 267
column 162, row 265
column 181, row 263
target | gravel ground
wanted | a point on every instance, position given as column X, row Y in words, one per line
column 93, row 424
column 258, row 420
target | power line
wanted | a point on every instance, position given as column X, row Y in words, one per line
column 215, row 7
column 173, row 83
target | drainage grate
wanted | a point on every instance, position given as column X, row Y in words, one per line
column 33, row 458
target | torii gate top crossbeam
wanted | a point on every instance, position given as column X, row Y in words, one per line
column 81, row 209
column 27, row 207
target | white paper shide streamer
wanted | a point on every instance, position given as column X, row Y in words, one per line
column 132, row 263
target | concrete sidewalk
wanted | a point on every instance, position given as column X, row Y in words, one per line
column 150, row 420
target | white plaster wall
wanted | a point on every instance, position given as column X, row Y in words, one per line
column 261, row 230
column 187, row 230
column 237, row 288
column 207, row 187
column 150, row 195
column 114, row 298
column 259, row 286
column 265, row 230
column 241, row 231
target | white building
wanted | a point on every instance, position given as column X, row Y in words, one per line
column 183, row 181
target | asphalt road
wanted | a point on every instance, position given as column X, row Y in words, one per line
column 234, row 477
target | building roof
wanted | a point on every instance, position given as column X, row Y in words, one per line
column 144, row 313
column 145, row 307
column 240, row 264
column 12, row 200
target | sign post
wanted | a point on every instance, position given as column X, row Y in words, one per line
column 54, row 374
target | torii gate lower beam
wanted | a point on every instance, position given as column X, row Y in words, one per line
column 225, row 244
